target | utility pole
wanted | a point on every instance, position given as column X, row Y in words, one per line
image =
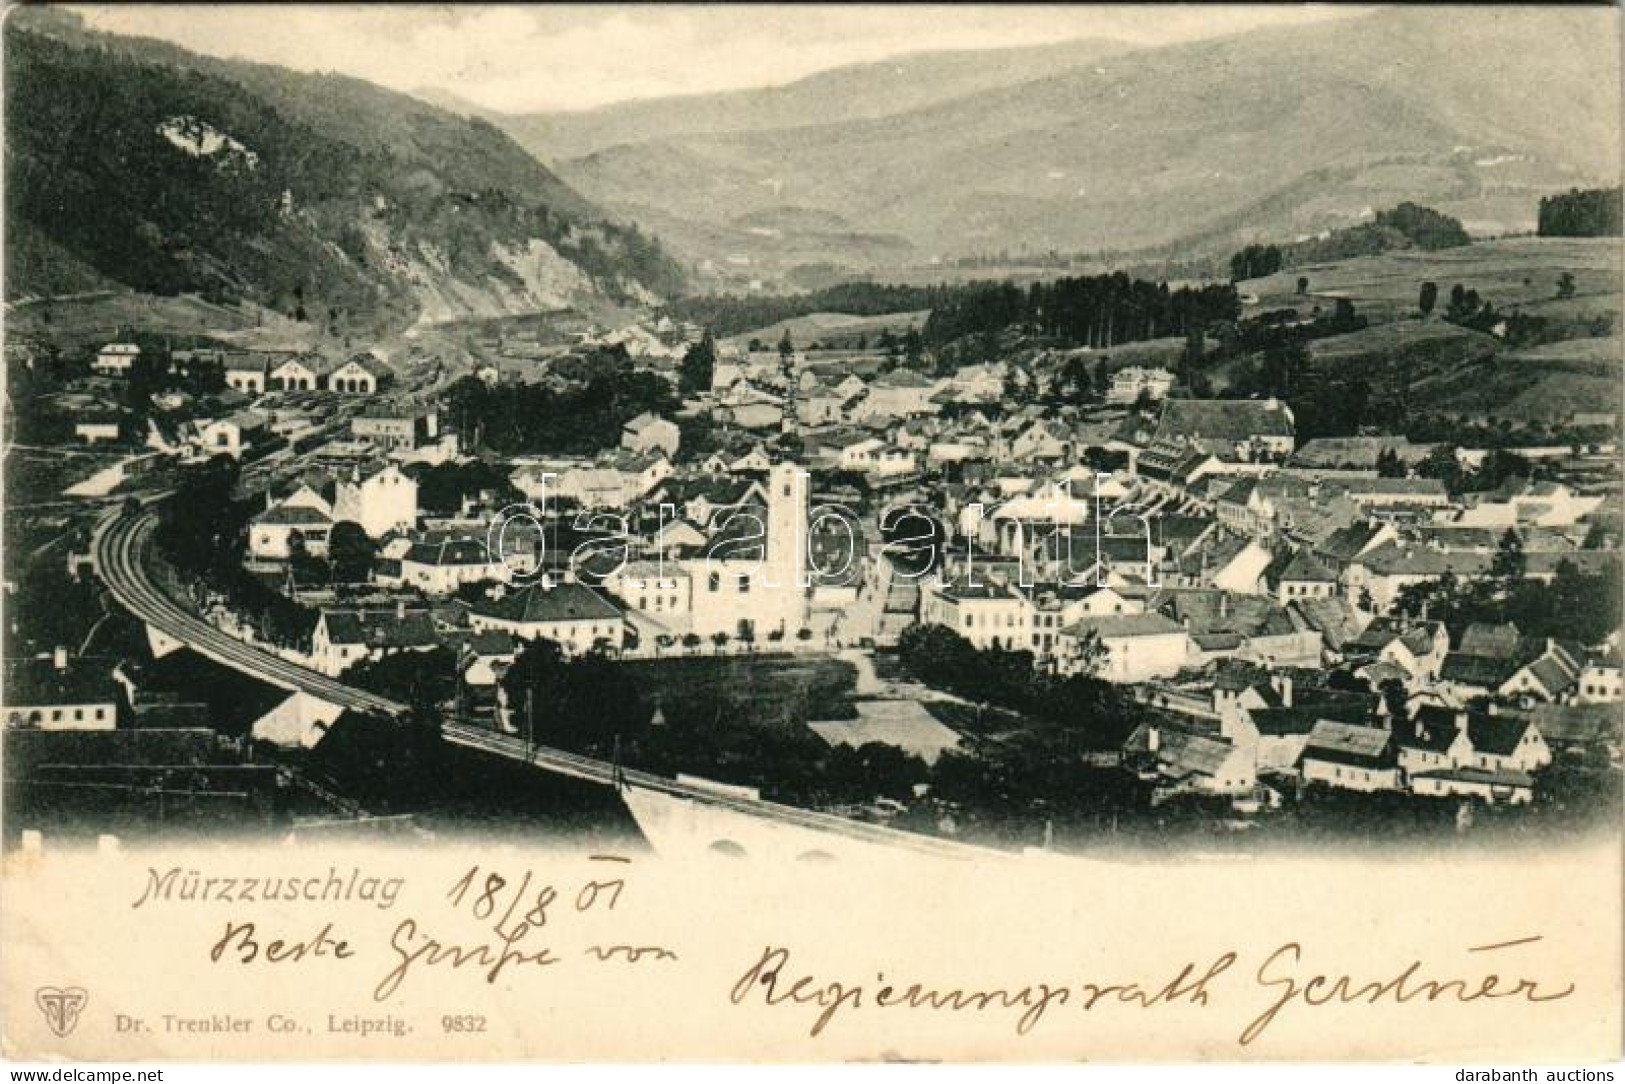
column 530, row 724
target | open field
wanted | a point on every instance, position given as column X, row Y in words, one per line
column 82, row 321
column 834, row 328
column 1543, row 384
column 1420, row 339
column 1512, row 273
column 1150, row 353
column 779, row 691
column 35, row 476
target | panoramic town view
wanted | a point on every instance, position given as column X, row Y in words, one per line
column 1190, row 444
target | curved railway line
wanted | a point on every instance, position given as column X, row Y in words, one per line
column 123, row 555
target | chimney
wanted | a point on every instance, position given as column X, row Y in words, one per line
column 59, row 657
column 1283, row 687
column 1153, row 739
column 400, row 609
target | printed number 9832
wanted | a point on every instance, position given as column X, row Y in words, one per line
column 462, row 1023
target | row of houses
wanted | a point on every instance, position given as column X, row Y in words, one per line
column 256, row 372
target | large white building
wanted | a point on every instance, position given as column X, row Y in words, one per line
column 116, row 359
column 382, row 501
column 302, row 515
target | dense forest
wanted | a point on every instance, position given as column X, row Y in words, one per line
column 1594, row 212
column 1090, row 310
column 730, row 314
column 1408, row 225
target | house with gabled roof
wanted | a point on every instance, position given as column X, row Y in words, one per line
column 235, row 435
column 1337, row 621
column 1435, row 740
column 1235, row 430
column 1138, row 647
column 572, row 615
column 1550, row 676
column 1300, row 576
column 360, row 374
column 649, row 432
column 1417, row 647
column 247, row 372
column 1185, row 761
column 441, row 566
column 1351, row 756
column 344, row 637
column 1601, row 680
column 116, row 359
column 1445, row 753
column 1044, row 439
column 300, row 372
column 900, row 393
column 1175, row 466
column 60, row 692
column 304, row 515
column 1342, row 546
column 380, row 497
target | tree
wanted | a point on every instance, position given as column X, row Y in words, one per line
column 1195, row 351
column 583, row 704
column 1394, row 699
column 1509, row 563
column 305, row 568
column 1284, row 369
column 1072, row 384
column 1565, row 285
column 786, row 346
column 1428, row 297
column 1389, row 465
column 422, row 679
column 699, row 364
column 913, row 348
column 1426, row 228
column 1103, row 380
column 1303, row 285
column 1442, row 463
column 1091, row 655
column 1591, row 213
column 350, row 552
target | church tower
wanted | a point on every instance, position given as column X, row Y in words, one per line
column 785, row 559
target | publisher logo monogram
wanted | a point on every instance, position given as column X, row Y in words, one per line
column 61, row 1007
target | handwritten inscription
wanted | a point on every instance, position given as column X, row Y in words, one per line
column 243, row 942
column 1279, row 974
column 494, row 923
column 767, row 977
column 771, row 981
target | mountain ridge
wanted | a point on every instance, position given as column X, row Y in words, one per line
column 845, row 91
column 1153, row 146
column 136, row 161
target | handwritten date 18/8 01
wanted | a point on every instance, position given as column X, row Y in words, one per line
column 486, row 892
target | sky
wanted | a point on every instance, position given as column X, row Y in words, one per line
column 541, row 58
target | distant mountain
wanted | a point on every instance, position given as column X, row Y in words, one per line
column 134, row 162
column 1270, row 135
column 850, row 92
